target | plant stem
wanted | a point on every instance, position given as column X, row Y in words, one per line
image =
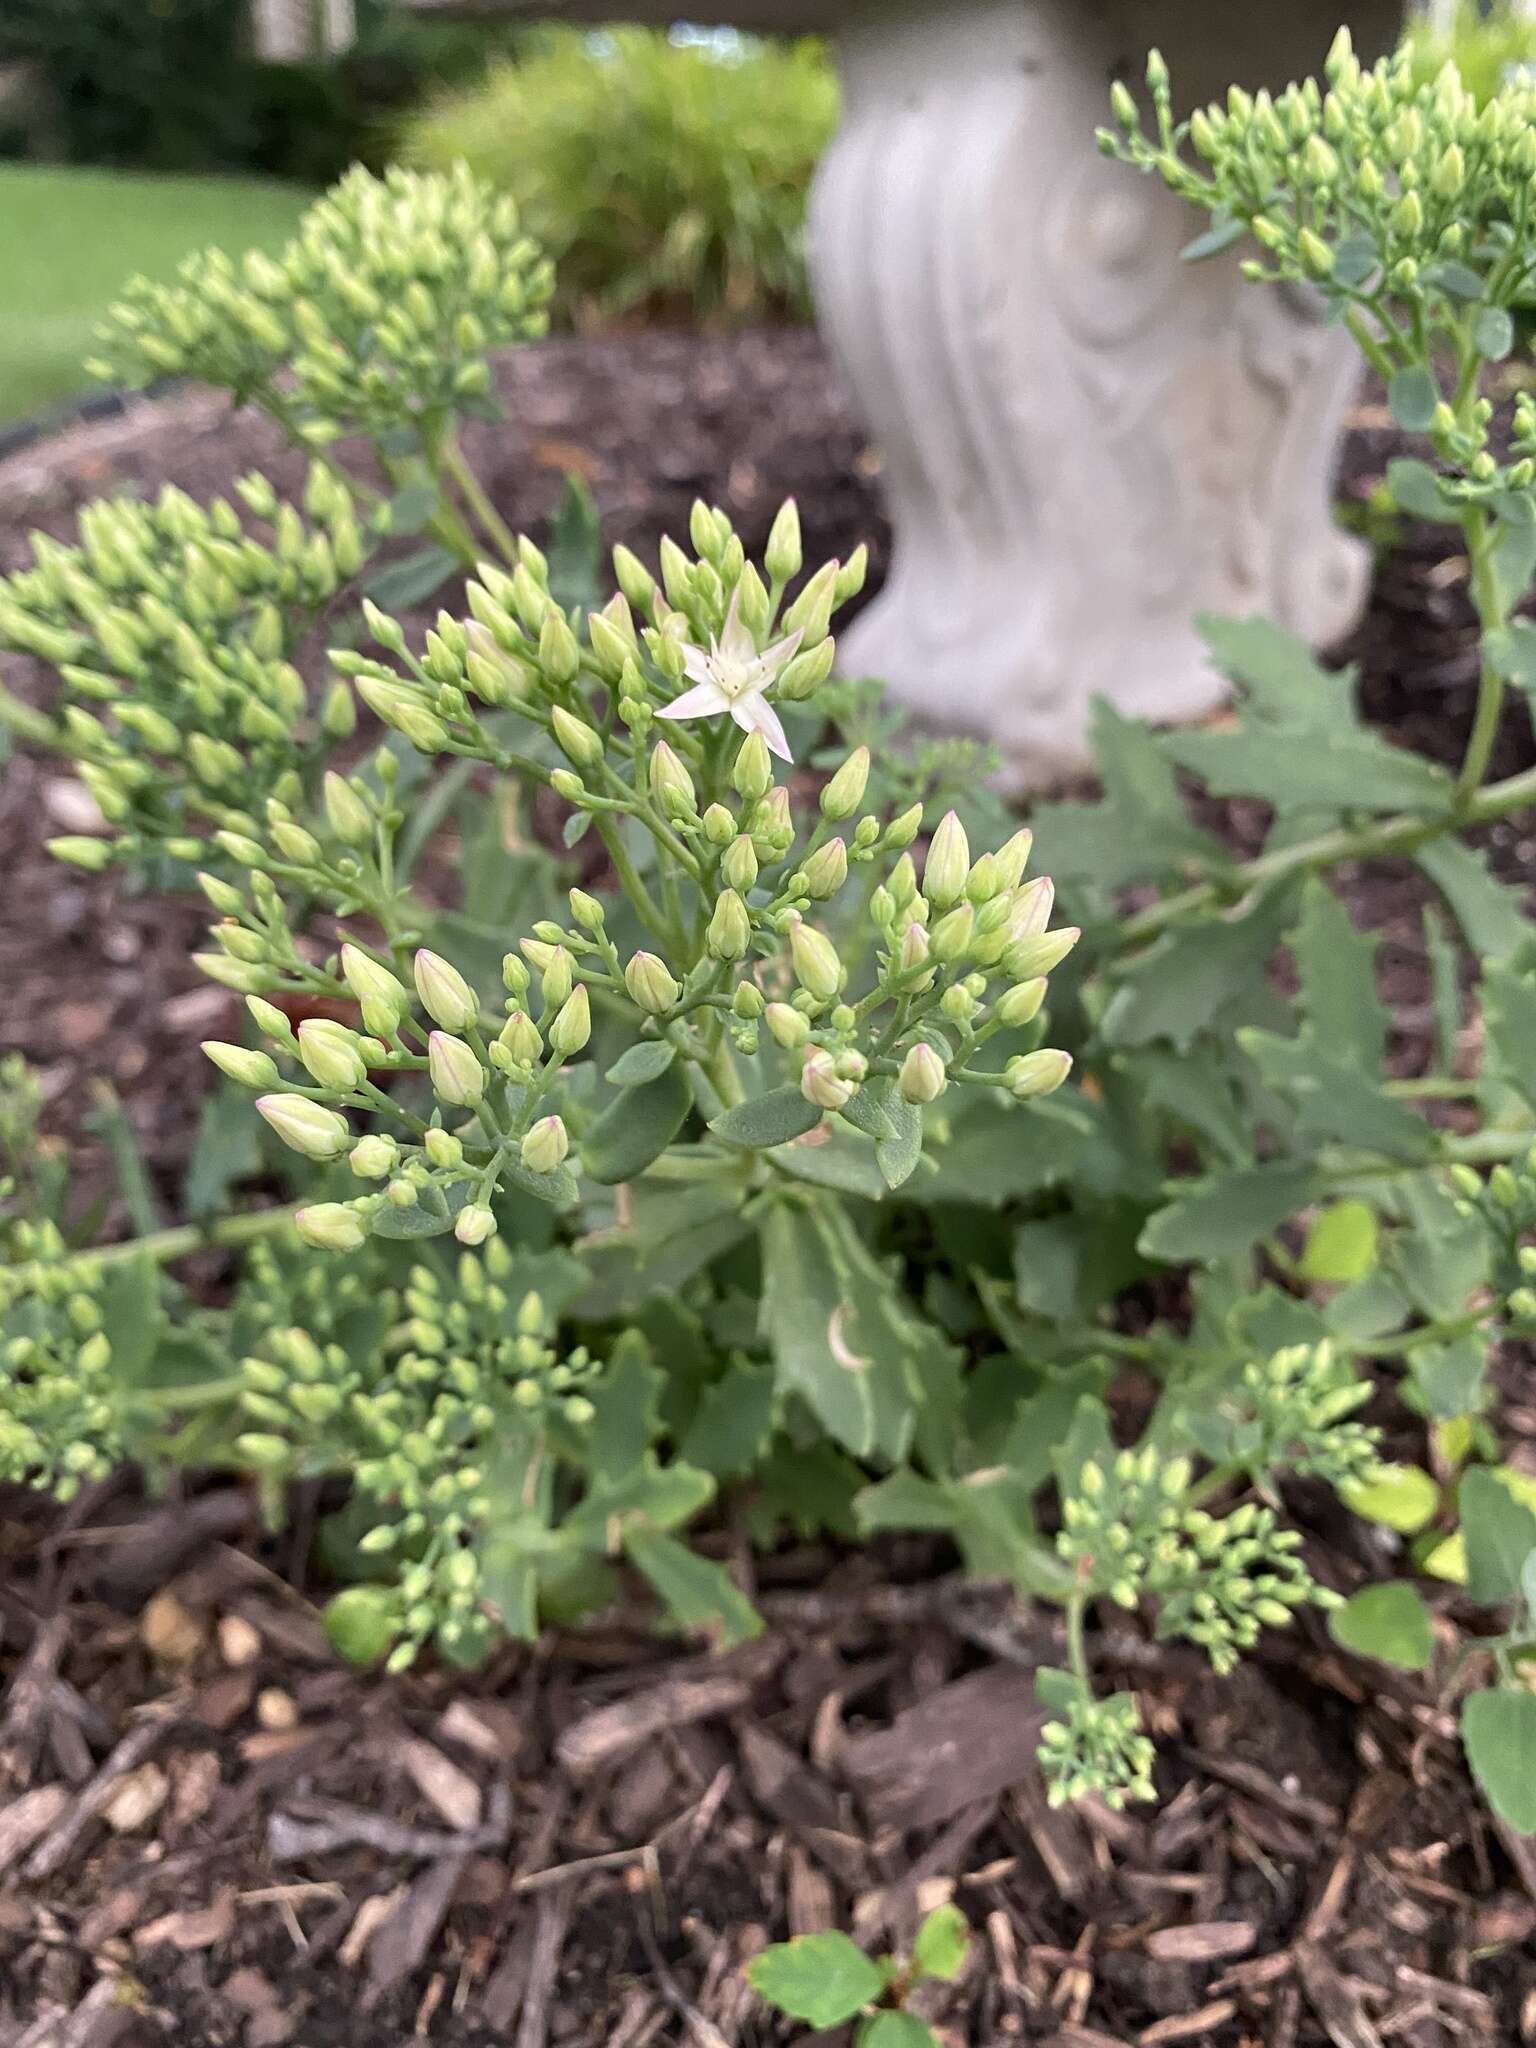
column 1400, row 834
column 220, row 1233
column 1489, row 603
column 474, row 495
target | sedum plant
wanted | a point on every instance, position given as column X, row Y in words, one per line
column 827, row 1980
column 757, row 1129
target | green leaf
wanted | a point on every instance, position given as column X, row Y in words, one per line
column 643, row 1062
column 1413, row 396
column 941, row 1944
column 734, row 1422
column 776, row 1118
column 650, row 1495
column 132, row 1317
column 1416, row 489
column 411, row 580
column 1509, row 1013
column 1390, row 1623
column 574, row 547
column 822, row 1979
column 1341, row 1245
column 1400, row 1497
column 226, row 1150
column 428, row 1216
column 410, row 508
column 1224, row 232
column 559, row 1188
column 624, row 1403
column 1459, row 279
column 361, row 1623
column 1140, row 826
column 1282, row 680
column 1332, row 1100
column 698, row 1593
column 1355, row 771
column 1500, row 1533
column 1514, row 559
column 992, row 1157
column 1490, row 913
column 896, row 2030
column 1513, row 652
column 868, row 1110
column 1499, row 1730
column 1450, row 1378
column 637, row 1127
column 897, row 1155
column 1354, row 259
column 1493, row 334
column 1227, row 1213
column 1182, row 983
column 1337, row 966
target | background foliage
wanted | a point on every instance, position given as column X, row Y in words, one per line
column 665, row 178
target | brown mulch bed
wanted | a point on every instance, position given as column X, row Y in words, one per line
column 210, row 1833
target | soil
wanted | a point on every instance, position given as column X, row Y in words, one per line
column 210, row 1833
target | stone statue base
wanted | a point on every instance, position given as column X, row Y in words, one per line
column 1086, row 440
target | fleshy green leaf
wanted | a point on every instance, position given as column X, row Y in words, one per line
column 776, row 1118
column 1227, row 1213
column 698, row 1593
column 643, row 1062
column 897, row 1155
column 941, row 1944
column 1500, row 1533
column 823, row 1979
column 1490, row 913
column 896, row 2030
column 1334, row 1100
column 1341, row 1245
column 1337, row 966
column 1413, row 395
column 1415, row 488
column 1400, row 1497
column 638, row 1126
column 1499, row 1730
column 1224, row 232
column 1388, row 1622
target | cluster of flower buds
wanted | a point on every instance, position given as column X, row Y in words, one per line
column 376, row 316
column 753, row 941
column 1294, row 1410
column 337, row 858
column 1504, row 1202
column 417, row 1422
column 1131, row 1532
column 62, row 1417
column 1402, row 201
column 171, row 627
column 1097, row 1748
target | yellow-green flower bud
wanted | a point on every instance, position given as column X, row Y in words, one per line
column 1123, row 105
column 650, row 985
column 338, row 714
column 749, row 1002
column 474, row 1224
column 922, row 1077
column 346, row 813
column 251, row 1069
column 952, row 934
column 373, row 1157
column 845, row 792
column 587, row 911
column 671, row 784
column 329, row 1051
column 520, row 1040
column 805, row 673
column 719, row 825
column 1021, row 1004
column 1032, row 908
column 445, row 995
column 546, row 1145
column 782, row 557
column 573, row 1026
column 331, row 1227
column 244, row 979
column 78, row 851
column 305, row 1126
column 1024, row 959
column 752, row 771
column 1316, row 255
column 916, row 947
column 788, row 1027
column 850, row 577
column 1037, row 1073
column 739, row 866
column 820, row 1082
column 817, row 966
column 443, row 1151
column 558, row 978
column 948, row 863
column 826, row 870
column 577, row 740
column 455, row 1071
column 633, row 578
column 384, row 1000
column 730, row 929
column 903, row 830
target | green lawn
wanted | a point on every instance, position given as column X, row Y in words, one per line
column 69, row 239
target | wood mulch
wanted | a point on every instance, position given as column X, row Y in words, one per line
column 211, row 1833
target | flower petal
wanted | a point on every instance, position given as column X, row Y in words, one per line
column 697, row 665
column 735, row 641
column 753, row 713
column 704, row 700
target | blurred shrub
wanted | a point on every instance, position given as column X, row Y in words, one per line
column 1484, row 46
column 172, row 86
column 664, row 177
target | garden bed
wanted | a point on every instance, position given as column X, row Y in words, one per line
column 290, row 1852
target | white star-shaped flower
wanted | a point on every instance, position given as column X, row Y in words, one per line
column 734, row 677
